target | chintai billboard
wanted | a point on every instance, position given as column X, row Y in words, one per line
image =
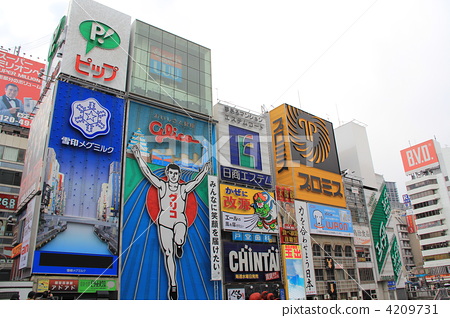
column 166, row 233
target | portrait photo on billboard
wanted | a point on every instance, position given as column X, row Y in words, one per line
column 80, row 207
column 166, row 206
column 20, row 88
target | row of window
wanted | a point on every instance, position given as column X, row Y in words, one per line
column 432, row 235
column 422, row 194
column 327, row 250
column 435, row 245
column 428, row 213
column 425, row 204
column 10, row 177
column 421, row 184
column 365, row 274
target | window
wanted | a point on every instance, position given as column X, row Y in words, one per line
column 327, row 249
column 317, row 250
column 363, row 254
column 338, row 251
column 366, row 274
column 319, row 274
column 427, row 214
column 340, row 274
column 12, row 154
column 10, row 177
column 421, row 184
column 425, row 204
column 348, row 251
column 351, row 274
column 330, row 275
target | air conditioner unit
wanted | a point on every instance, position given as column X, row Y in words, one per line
column 326, row 296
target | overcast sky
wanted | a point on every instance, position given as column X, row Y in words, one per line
column 383, row 63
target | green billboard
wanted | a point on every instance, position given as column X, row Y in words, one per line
column 378, row 223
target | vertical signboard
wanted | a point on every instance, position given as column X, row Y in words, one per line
column 20, row 87
column 419, row 157
column 306, row 156
column 396, row 259
column 378, row 223
column 214, row 225
column 79, row 222
column 166, row 223
column 293, row 272
column 286, row 215
column 304, row 236
column 248, row 209
column 244, row 148
column 96, row 44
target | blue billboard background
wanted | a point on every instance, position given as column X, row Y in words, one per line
column 329, row 220
column 143, row 270
column 79, row 210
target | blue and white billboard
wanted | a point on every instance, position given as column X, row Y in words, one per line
column 79, row 223
column 327, row 220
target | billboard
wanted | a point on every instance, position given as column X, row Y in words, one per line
column 248, row 210
column 244, row 148
column 96, row 44
column 378, row 223
column 246, row 262
column 304, row 234
column 396, row 258
column 166, row 224
column 81, row 184
column 327, row 220
column 286, row 215
column 171, row 69
column 419, row 157
column 293, row 272
column 361, row 235
column 306, row 156
column 20, row 88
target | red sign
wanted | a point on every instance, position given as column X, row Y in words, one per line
column 19, row 80
column 420, row 156
column 16, row 251
column 8, row 201
column 273, row 276
column 411, row 221
column 63, row 285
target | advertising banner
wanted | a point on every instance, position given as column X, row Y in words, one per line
column 81, row 184
column 304, row 234
column 419, row 157
column 378, row 224
column 361, row 235
column 96, row 44
column 248, row 209
column 245, row 262
column 214, row 225
column 244, row 147
column 396, row 258
column 411, row 223
column 166, row 224
column 292, row 256
column 20, row 86
column 306, row 156
column 8, row 201
column 327, row 220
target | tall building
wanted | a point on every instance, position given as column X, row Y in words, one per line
column 380, row 266
column 428, row 192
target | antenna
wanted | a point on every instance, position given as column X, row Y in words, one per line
column 299, row 101
column 337, row 111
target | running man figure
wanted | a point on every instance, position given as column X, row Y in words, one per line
column 172, row 221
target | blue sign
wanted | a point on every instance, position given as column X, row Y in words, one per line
column 245, row 177
column 252, row 237
column 238, row 236
column 327, row 220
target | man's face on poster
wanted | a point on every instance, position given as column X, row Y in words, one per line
column 11, row 91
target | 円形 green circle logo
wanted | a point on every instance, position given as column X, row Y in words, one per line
column 99, row 34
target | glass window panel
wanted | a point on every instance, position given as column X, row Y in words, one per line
column 206, row 93
column 1, row 151
column 142, row 28
column 181, row 55
column 156, row 34
column 141, row 42
column 205, row 67
column 193, row 49
column 168, row 52
column 10, row 154
column 193, row 89
column 205, row 79
column 193, row 75
column 205, row 53
column 137, row 86
column 193, row 61
column 169, row 39
column 181, row 44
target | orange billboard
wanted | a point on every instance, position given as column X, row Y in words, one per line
column 20, row 87
column 306, row 156
column 419, row 157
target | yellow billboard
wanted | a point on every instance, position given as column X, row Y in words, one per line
column 306, row 156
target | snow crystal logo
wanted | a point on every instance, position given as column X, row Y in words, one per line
column 90, row 118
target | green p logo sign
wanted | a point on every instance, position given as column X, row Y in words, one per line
column 99, row 34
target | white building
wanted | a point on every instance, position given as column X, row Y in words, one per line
column 428, row 191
